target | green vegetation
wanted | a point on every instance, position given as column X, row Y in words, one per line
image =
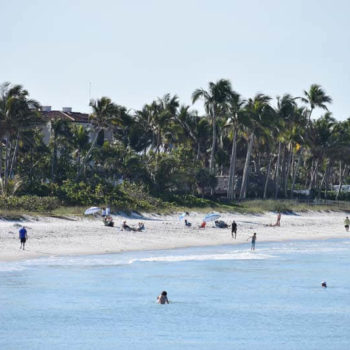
column 167, row 156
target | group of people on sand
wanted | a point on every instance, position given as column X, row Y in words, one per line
column 140, row 227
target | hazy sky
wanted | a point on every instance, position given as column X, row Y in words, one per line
column 135, row 51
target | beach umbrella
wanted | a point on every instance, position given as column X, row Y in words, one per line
column 92, row 210
column 211, row 217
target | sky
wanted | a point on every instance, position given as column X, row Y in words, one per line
column 66, row 51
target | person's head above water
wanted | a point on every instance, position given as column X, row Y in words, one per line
column 324, row 284
column 164, row 293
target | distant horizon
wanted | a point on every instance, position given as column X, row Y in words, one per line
column 134, row 52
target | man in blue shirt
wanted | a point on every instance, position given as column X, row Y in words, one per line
column 23, row 237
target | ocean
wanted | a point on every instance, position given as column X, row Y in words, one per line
column 223, row 297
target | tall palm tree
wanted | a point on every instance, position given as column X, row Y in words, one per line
column 105, row 114
column 60, row 132
column 215, row 100
column 235, row 104
column 316, row 97
column 17, row 113
column 259, row 115
column 286, row 106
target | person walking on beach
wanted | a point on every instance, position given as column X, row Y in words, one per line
column 347, row 223
column 253, row 241
column 23, row 237
column 278, row 222
column 163, row 298
column 234, row 229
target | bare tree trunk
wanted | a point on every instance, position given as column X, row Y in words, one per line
column 243, row 191
column 277, row 170
column 267, row 177
column 231, row 177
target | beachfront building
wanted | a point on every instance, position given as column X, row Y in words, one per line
column 76, row 118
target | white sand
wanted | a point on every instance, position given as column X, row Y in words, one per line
column 52, row 237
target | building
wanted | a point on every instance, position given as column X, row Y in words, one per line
column 66, row 113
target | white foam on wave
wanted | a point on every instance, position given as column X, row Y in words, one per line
column 203, row 257
column 117, row 260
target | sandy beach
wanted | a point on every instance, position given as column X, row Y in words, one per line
column 77, row 236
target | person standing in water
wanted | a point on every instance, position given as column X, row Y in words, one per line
column 234, row 229
column 347, row 223
column 23, row 237
column 253, row 241
column 163, row 298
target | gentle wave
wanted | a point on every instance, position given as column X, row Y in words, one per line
column 203, row 257
column 115, row 260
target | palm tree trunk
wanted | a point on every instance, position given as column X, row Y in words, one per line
column 1, row 160
column 296, row 169
column 287, row 171
column 327, row 179
column 341, row 176
column 7, row 157
column 267, row 176
column 313, row 177
column 277, row 170
column 212, row 153
column 323, row 181
column 89, row 151
column 243, row 192
column 231, row 178
column 53, row 160
column 14, row 156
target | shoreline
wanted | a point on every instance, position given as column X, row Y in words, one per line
column 59, row 237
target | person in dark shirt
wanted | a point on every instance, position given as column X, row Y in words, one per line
column 23, row 237
column 234, row 229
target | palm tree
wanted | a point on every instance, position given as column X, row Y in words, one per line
column 105, row 114
column 316, row 97
column 60, row 132
column 235, row 104
column 286, row 106
column 258, row 114
column 80, row 142
column 17, row 113
column 215, row 100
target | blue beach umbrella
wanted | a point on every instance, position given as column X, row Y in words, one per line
column 211, row 217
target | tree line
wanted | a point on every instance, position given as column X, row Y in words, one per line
column 267, row 148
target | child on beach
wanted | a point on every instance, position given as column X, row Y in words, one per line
column 23, row 237
column 253, row 241
column 163, row 298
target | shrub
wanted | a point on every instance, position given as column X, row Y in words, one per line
column 29, row 203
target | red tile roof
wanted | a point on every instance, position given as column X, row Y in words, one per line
column 74, row 117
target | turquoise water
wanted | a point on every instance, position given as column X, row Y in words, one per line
column 221, row 298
